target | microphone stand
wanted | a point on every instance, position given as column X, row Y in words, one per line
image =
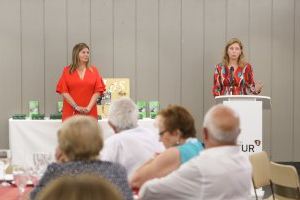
column 231, row 79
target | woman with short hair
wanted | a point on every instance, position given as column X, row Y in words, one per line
column 79, row 143
column 178, row 134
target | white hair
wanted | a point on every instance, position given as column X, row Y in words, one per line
column 211, row 122
column 123, row 114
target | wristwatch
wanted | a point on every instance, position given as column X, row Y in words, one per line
column 75, row 106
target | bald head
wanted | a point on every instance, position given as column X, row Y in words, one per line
column 222, row 124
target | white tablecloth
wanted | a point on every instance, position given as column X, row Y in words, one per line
column 29, row 136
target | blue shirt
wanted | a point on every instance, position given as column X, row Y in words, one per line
column 191, row 148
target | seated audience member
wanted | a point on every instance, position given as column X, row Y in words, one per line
column 132, row 145
column 80, row 187
column 220, row 172
column 79, row 143
column 178, row 134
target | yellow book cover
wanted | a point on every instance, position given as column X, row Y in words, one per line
column 115, row 88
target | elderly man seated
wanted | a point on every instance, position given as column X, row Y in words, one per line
column 132, row 145
column 220, row 172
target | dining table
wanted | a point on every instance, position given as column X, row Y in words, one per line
column 11, row 192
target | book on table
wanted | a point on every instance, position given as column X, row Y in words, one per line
column 33, row 108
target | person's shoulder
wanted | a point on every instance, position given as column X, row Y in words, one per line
column 195, row 142
column 140, row 133
column 53, row 167
column 126, row 134
column 103, row 163
column 93, row 68
column 143, row 129
column 137, row 130
column 115, row 138
column 67, row 67
column 170, row 153
column 246, row 64
column 113, row 166
column 94, row 164
column 220, row 65
column 121, row 138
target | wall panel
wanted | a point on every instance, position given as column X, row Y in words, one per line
column 237, row 25
column 10, row 56
column 214, row 42
column 125, row 42
column 33, row 58
column 282, row 80
column 169, row 52
column 55, row 50
column 192, row 58
column 78, row 24
column 147, row 50
column 296, row 91
column 102, row 35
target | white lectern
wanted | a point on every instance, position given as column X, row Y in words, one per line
column 249, row 108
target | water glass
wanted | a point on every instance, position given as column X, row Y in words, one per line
column 41, row 160
column 20, row 178
column 5, row 158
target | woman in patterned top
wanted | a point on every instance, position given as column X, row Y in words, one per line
column 234, row 76
column 79, row 143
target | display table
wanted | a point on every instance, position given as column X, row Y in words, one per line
column 29, row 136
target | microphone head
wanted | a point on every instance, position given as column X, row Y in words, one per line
column 231, row 69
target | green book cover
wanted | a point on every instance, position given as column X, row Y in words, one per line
column 59, row 106
column 56, row 116
column 37, row 116
column 33, row 108
column 142, row 105
column 153, row 108
column 19, row 116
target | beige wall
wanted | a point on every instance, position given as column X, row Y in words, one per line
column 168, row 49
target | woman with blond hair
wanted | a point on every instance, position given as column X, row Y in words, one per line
column 80, row 84
column 234, row 76
column 79, row 143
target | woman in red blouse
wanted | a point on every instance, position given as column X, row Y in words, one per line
column 80, row 84
column 234, row 76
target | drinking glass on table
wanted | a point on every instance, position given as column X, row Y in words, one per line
column 5, row 167
column 5, row 158
column 41, row 160
column 20, row 178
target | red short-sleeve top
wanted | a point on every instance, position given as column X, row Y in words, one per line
column 81, row 90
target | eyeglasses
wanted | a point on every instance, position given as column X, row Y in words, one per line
column 162, row 132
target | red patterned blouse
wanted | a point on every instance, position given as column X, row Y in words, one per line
column 233, row 82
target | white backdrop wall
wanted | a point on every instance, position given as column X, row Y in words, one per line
column 168, row 49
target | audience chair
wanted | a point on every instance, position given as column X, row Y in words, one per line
column 261, row 175
column 286, row 176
